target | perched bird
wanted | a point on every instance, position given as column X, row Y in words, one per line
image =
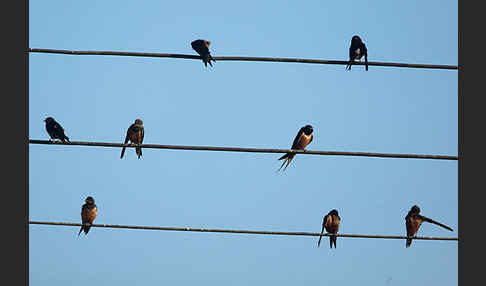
column 304, row 137
column 135, row 134
column 55, row 130
column 331, row 224
column 88, row 214
column 413, row 220
column 202, row 48
column 356, row 51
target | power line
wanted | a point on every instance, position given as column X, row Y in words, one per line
column 250, row 150
column 300, row 233
column 253, row 59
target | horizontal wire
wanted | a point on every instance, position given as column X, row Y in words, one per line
column 253, row 59
column 250, row 150
column 300, row 233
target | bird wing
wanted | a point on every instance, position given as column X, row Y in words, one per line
column 363, row 47
column 351, row 51
column 84, row 213
column 365, row 52
column 435, row 222
column 295, row 144
column 58, row 127
column 200, row 48
column 322, row 231
column 127, row 137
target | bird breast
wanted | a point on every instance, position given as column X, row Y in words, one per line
column 332, row 225
column 413, row 225
column 135, row 137
column 304, row 140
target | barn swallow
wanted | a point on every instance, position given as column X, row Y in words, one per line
column 356, row 51
column 55, row 130
column 331, row 224
column 135, row 134
column 413, row 220
column 202, row 48
column 304, row 137
column 88, row 214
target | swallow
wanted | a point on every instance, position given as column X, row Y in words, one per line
column 356, row 51
column 413, row 220
column 202, row 48
column 55, row 130
column 135, row 134
column 304, row 137
column 331, row 223
column 88, row 214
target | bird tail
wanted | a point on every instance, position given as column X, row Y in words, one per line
column 408, row 243
column 435, row 222
column 211, row 59
column 320, row 237
column 288, row 158
column 139, row 151
column 87, row 228
column 123, row 149
column 284, row 156
column 348, row 67
column 333, row 239
column 366, row 61
column 205, row 59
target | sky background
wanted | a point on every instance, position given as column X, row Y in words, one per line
column 242, row 104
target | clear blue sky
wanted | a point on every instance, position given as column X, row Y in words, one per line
column 245, row 104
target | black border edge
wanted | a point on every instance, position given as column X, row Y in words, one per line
column 15, row 170
column 471, row 118
column 460, row 136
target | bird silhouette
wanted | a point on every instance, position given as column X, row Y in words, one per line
column 357, row 50
column 304, row 137
column 331, row 224
column 89, row 211
column 202, row 48
column 55, row 130
column 413, row 220
column 135, row 134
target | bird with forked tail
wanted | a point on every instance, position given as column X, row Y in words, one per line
column 202, row 48
column 413, row 220
column 304, row 137
column 135, row 134
column 331, row 224
column 89, row 211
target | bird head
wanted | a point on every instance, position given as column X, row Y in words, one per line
column 138, row 121
column 356, row 39
column 308, row 129
column 334, row 212
column 48, row 119
column 89, row 200
column 415, row 210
